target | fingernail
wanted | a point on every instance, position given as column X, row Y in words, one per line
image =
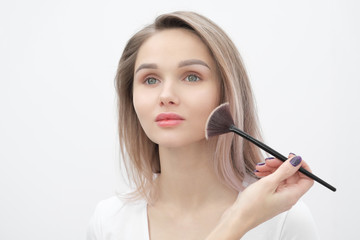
column 295, row 161
column 292, row 154
column 256, row 170
column 269, row 158
column 260, row 164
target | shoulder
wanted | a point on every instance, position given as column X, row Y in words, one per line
column 115, row 205
column 299, row 224
column 295, row 224
column 108, row 207
column 114, row 216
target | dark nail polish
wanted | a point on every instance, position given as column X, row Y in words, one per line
column 260, row 164
column 256, row 170
column 295, row 161
column 292, row 154
column 269, row 158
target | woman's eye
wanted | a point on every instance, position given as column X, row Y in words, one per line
column 151, row 80
column 192, row 78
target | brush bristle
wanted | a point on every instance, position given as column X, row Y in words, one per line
column 219, row 121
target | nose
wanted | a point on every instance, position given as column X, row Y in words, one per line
column 168, row 95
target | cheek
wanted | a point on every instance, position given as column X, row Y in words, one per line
column 210, row 98
column 144, row 103
column 206, row 102
column 140, row 107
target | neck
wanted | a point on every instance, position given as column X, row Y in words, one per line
column 188, row 179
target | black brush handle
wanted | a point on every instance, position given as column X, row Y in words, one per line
column 279, row 156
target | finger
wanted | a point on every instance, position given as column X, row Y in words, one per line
column 263, row 167
column 273, row 162
column 262, row 174
column 294, row 191
column 300, row 178
column 306, row 167
column 270, row 165
column 304, row 181
column 287, row 169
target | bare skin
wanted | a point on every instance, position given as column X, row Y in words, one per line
column 191, row 199
column 175, row 74
column 273, row 194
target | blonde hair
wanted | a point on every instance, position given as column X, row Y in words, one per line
column 234, row 158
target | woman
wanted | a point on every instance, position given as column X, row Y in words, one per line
column 171, row 75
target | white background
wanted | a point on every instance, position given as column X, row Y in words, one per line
column 58, row 142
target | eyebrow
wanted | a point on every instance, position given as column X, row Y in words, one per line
column 181, row 64
column 146, row 65
column 193, row 62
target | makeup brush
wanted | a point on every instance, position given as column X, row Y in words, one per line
column 220, row 121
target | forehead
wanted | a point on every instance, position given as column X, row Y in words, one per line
column 173, row 45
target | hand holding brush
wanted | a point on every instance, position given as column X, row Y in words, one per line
column 264, row 199
column 220, row 121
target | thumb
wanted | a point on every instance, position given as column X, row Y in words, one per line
column 287, row 169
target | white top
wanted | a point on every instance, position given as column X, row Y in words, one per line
column 116, row 219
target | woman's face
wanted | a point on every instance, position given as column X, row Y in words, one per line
column 175, row 87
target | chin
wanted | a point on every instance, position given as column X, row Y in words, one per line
column 179, row 143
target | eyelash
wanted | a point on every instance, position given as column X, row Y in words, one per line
column 146, row 81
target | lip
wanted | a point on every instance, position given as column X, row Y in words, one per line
column 168, row 119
